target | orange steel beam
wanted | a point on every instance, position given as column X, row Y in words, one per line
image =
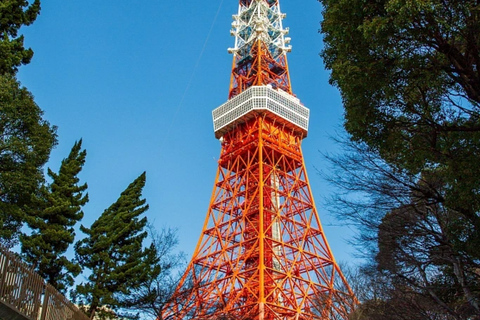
column 259, row 68
column 261, row 231
column 262, row 253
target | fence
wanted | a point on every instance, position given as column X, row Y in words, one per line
column 26, row 293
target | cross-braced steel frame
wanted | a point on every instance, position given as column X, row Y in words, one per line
column 262, row 253
column 260, row 52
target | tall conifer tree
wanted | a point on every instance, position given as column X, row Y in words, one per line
column 13, row 15
column 25, row 145
column 53, row 220
column 26, row 138
column 113, row 252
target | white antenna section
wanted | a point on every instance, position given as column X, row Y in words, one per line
column 259, row 21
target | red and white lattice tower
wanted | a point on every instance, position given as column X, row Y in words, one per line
column 262, row 253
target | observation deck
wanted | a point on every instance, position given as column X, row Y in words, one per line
column 262, row 100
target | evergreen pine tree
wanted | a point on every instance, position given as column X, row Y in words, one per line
column 113, row 252
column 26, row 139
column 53, row 220
column 25, row 145
column 13, row 15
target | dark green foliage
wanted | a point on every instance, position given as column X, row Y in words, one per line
column 408, row 72
column 152, row 296
column 25, row 145
column 26, row 138
column 113, row 252
column 13, row 15
column 58, row 209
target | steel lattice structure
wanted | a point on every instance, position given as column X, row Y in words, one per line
column 260, row 47
column 262, row 253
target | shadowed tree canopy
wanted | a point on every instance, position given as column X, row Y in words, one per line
column 418, row 249
column 13, row 15
column 57, row 210
column 408, row 74
column 25, row 145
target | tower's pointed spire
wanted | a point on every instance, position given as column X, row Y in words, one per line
column 259, row 54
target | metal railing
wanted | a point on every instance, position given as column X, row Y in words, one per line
column 25, row 292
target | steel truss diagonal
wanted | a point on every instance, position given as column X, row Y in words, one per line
column 262, row 252
column 260, row 52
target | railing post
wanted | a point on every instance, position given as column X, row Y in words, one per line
column 25, row 290
column 46, row 297
column 3, row 268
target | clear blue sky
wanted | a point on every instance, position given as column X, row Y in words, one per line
column 137, row 80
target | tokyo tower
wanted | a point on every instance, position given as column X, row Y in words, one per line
column 262, row 253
